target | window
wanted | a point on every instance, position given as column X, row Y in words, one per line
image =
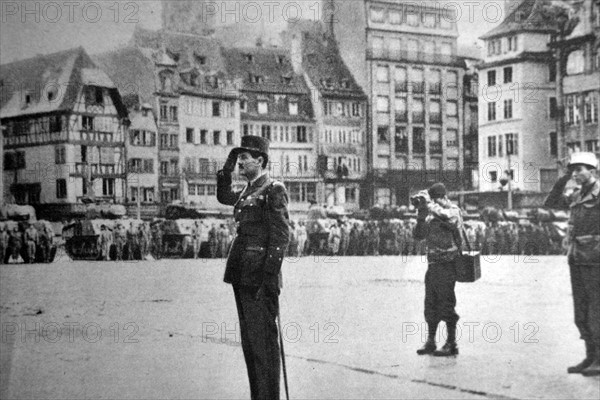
column 216, row 108
column 512, row 43
column 164, row 141
column 265, row 131
column 435, row 144
column 383, row 104
column 401, row 140
column 13, row 161
column 494, row 176
column 492, row 150
column 135, row 165
column 249, row 58
column 293, row 107
column 512, row 144
column 429, row 20
column 356, row 110
column 491, row 78
column 87, row 123
column 401, row 111
column 416, row 78
column 451, row 138
column 452, row 109
column 148, row 166
column 418, row 140
column 435, row 116
column 508, row 109
column 553, row 107
column 189, row 135
column 382, row 134
column 383, row 73
column 164, row 115
column 508, row 74
column 591, row 108
column 203, row 136
column 492, row 111
column 412, row 18
column 591, row 146
column 377, row 14
column 400, row 79
column 418, row 111
column 216, row 137
column 263, row 107
column 395, row 17
column 244, row 105
column 108, row 187
column 229, row 137
column 61, row 188
column 60, row 155
column 164, row 168
column 553, row 144
column 576, row 62
column 302, row 134
column 552, row 72
column 173, row 113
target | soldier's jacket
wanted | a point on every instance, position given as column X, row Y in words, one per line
column 441, row 227
column 584, row 220
column 263, row 230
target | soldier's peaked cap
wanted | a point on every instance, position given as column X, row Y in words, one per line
column 252, row 143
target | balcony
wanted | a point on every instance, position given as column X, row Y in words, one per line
column 418, row 87
column 94, row 136
column 36, row 138
column 435, row 88
column 401, row 87
column 419, row 146
column 97, row 170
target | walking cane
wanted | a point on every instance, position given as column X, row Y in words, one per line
column 285, row 382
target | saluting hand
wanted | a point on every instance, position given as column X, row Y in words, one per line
column 231, row 160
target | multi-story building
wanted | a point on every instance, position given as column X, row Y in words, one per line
column 519, row 113
column 339, row 106
column 275, row 103
column 581, row 83
column 65, row 126
column 133, row 74
column 404, row 55
column 199, row 113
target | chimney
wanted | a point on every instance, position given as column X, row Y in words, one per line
column 296, row 49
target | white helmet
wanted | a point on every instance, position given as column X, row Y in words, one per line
column 584, row 158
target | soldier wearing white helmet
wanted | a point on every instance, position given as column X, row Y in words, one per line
column 584, row 252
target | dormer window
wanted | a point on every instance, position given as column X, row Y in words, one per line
column 174, row 55
column 293, row 107
column 327, row 83
column 257, row 79
column 99, row 95
column 249, row 58
column 243, row 105
column 200, row 60
column 286, row 79
column 263, row 107
column 280, row 60
column 345, row 84
column 51, row 94
column 27, row 99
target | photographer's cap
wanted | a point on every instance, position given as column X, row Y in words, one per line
column 583, row 158
column 437, row 191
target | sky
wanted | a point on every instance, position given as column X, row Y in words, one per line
column 46, row 26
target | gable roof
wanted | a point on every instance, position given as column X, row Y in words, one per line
column 271, row 65
column 530, row 16
column 323, row 63
column 60, row 75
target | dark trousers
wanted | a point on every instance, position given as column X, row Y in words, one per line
column 440, row 299
column 260, row 339
column 585, row 282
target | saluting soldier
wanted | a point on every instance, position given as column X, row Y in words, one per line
column 583, row 254
column 254, row 262
column 439, row 222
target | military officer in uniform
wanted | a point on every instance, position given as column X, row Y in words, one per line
column 440, row 222
column 255, row 258
column 584, row 252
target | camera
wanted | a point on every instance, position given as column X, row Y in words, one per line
column 417, row 201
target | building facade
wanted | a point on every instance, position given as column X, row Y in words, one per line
column 275, row 103
column 409, row 68
column 339, row 106
column 64, row 138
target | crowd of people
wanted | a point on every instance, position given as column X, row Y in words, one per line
column 27, row 241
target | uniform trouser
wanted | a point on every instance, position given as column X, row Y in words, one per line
column 31, row 250
column 440, row 299
column 585, row 283
column 259, row 340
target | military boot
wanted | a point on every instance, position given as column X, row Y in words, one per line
column 428, row 348
column 590, row 351
column 594, row 368
column 449, row 349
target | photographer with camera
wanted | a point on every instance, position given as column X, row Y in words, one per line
column 440, row 223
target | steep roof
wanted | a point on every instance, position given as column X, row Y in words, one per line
column 272, row 66
column 52, row 82
column 323, row 63
column 132, row 72
column 530, row 16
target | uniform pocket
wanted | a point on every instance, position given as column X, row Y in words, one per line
column 252, row 260
column 586, row 250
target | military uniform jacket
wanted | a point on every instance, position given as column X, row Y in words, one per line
column 441, row 226
column 263, row 230
column 584, row 220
